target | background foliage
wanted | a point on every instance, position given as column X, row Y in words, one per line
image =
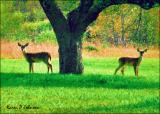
column 116, row 25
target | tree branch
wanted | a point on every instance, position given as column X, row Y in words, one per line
column 102, row 4
column 85, row 5
column 55, row 16
column 76, row 15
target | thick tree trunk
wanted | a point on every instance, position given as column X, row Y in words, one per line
column 70, row 57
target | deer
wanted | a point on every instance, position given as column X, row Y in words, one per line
column 135, row 62
column 36, row 57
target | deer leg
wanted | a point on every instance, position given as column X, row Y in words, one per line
column 48, row 68
column 51, row 67
column 135, row 70
column 120, row 65
column 30, row 67
column 46, row 62
column 122, row 70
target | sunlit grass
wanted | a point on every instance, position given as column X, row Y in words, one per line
column 97, row 90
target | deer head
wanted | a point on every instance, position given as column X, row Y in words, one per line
column 141, row 52
column 23, row 46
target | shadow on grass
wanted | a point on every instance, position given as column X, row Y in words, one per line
column 147, row 105
column 76, row 81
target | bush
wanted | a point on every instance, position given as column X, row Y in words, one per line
column 36, row 26
column 10, row 23
column 39, row 31
column 46, row 36
column 91, row 48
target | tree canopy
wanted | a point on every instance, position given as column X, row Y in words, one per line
column 69, row 30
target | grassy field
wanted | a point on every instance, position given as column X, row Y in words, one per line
column 97, row 90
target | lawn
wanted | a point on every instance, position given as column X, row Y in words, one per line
column 95, row 91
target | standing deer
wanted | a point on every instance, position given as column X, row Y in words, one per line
column 135, row 62
column 36, row 57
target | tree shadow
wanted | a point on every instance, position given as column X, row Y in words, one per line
column 76, row 81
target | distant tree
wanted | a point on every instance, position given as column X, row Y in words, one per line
column 123, row 15
column 69, row 30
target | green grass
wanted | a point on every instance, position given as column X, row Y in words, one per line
column 97, row 90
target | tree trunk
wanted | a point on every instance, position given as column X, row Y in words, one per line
column 122, row 30
column 70, row 56
column 115, row 36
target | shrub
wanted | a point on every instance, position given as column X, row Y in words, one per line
column 46, row 36
column 36, row 26
column 91, row 48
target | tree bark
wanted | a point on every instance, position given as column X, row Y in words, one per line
column 70, row 57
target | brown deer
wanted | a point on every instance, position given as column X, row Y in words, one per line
column 36, row 57
column 135, row 62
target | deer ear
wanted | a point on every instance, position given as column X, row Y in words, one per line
column 145, row 50
column 26, row 44
column 19, row 44
column 138, row 49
